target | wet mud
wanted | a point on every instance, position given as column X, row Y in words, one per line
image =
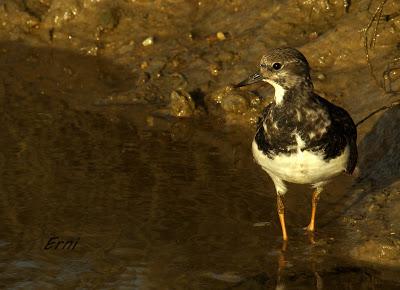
column 121, row 134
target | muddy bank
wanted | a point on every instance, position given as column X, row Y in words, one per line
column 202, row 47
column 119, row 127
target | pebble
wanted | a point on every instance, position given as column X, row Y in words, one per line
column 313, row 35
column 221, row 36
column 234, row 103
column 144, row 65
column 150, row 121
column 181, row 104
column 321, row 76
column 214, row 70
column 261, row 224
column 394, row 74
column 148, row 41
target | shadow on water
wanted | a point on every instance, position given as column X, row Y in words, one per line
column 171, row 205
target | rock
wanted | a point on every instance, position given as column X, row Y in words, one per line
column 237, row 106
column 313, row 35
column 320, row 76
column 148, row 41
column 214, row 69
column 108, row 19
column 181, row 104
column 230, row 100
column 221, row 36
column 235, row 103
column 380, row 252
column 37, row 8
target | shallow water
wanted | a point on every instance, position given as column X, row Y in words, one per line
column 148, row 202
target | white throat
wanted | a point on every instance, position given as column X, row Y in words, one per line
column 279, row 91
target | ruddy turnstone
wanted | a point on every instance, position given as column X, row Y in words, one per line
column 301, row 137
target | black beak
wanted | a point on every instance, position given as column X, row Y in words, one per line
column 255, row 78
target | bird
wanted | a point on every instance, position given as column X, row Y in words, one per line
column 301, row 137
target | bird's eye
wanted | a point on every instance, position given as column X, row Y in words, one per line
column 277, row 66
column 263, row 65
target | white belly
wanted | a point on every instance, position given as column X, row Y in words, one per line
column 302, row 167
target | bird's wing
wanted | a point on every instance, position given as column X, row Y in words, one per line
column 343, row 124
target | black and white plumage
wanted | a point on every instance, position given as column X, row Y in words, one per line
column 301, row 137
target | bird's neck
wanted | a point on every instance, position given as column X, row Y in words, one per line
column 299, row 92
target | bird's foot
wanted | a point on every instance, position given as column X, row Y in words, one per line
column 310, row 228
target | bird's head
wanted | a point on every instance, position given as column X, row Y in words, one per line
column 284, row 68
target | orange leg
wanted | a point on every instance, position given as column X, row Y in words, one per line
column 281, row 213
column 314, row 201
